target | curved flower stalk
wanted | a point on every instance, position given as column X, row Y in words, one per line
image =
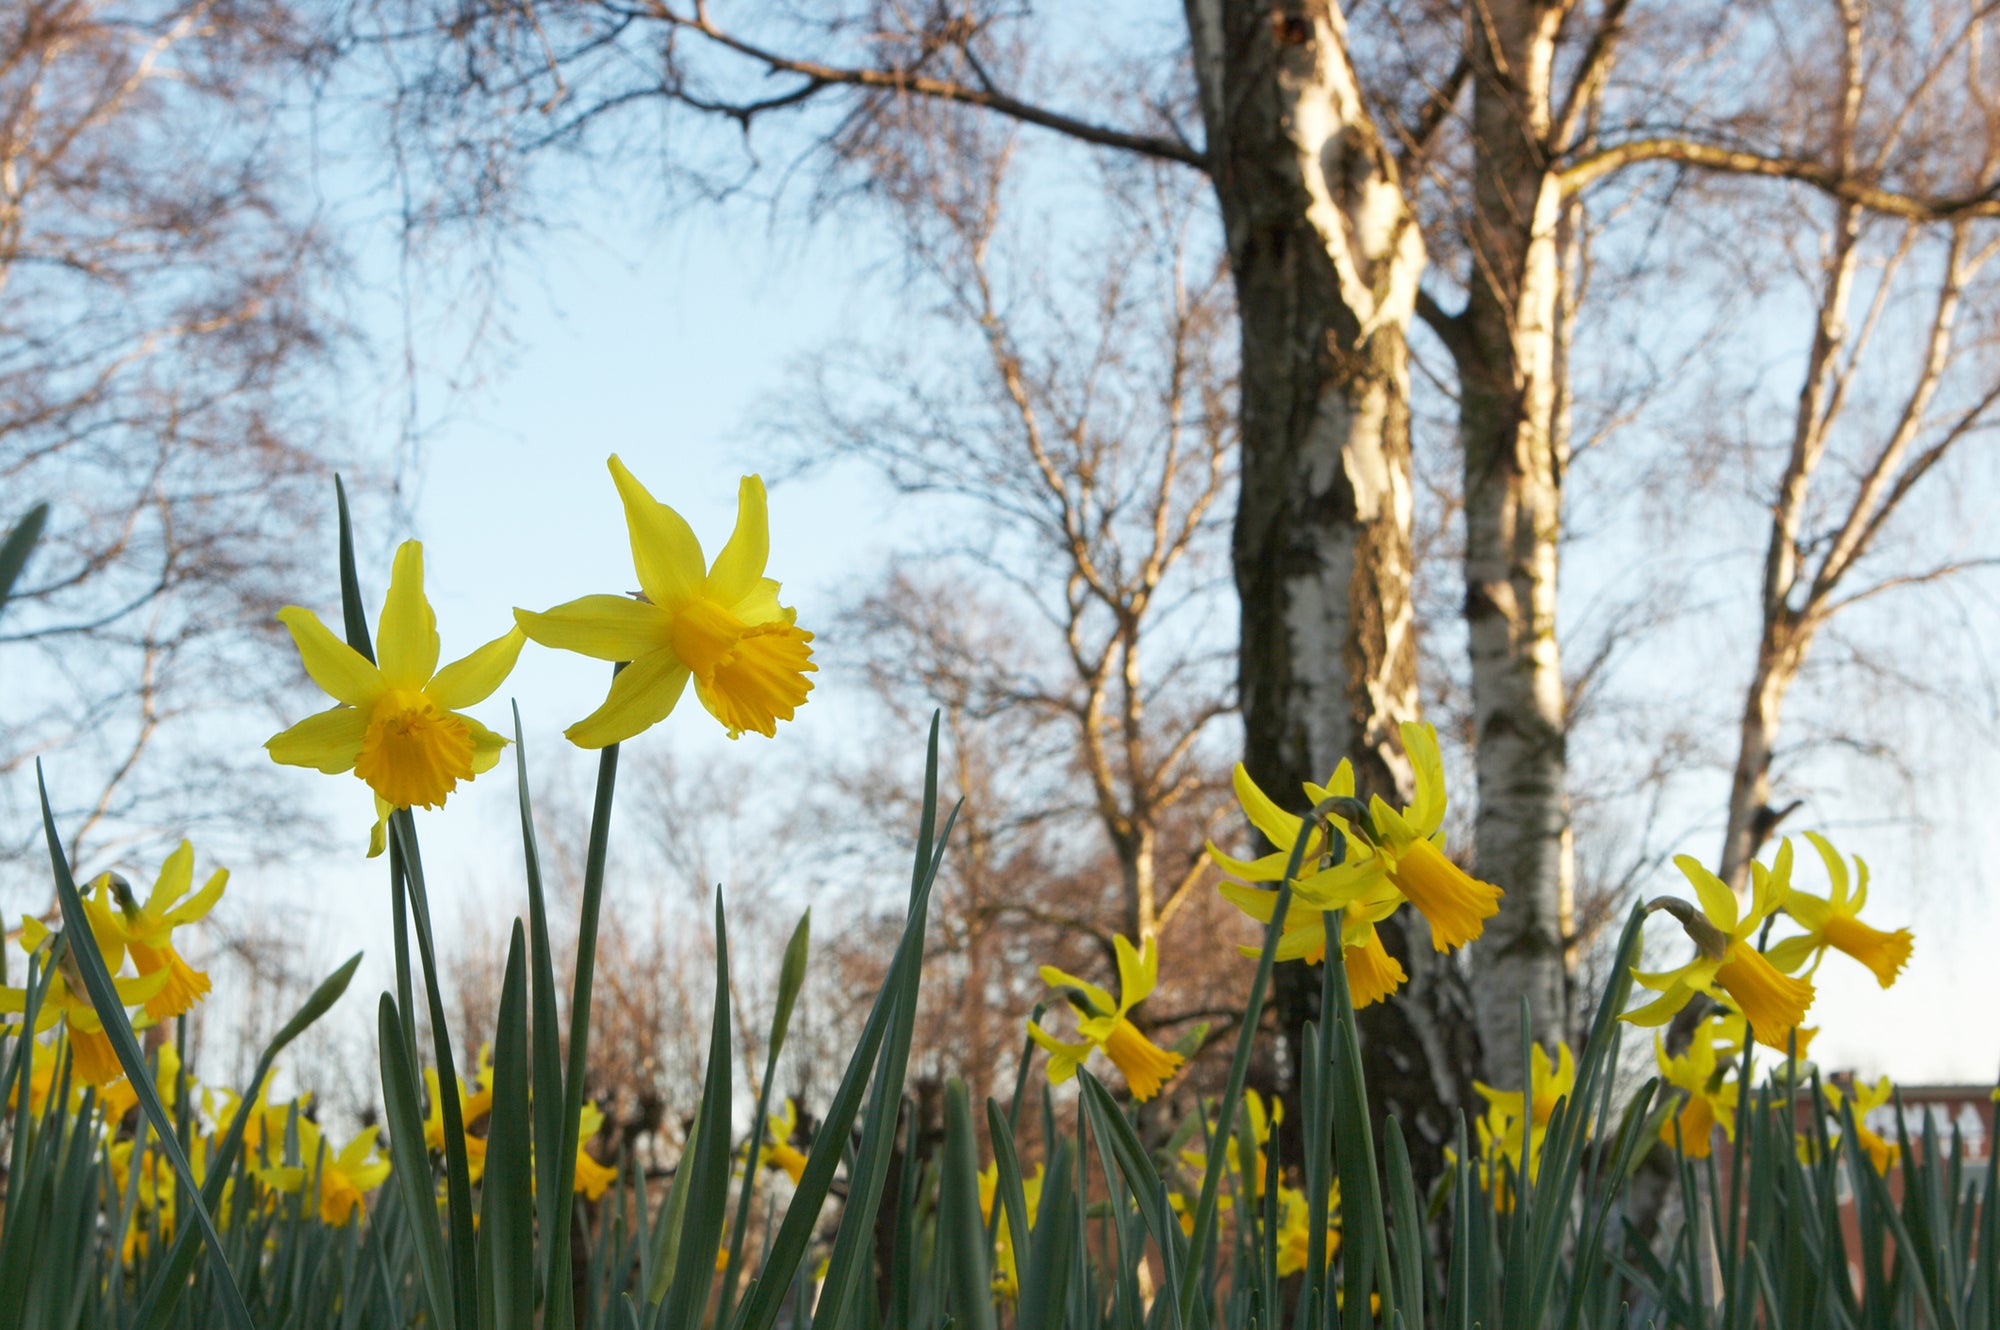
column 1390, row 857
column 1103, row 1022
column 1727, row 963
column 148, row 930
column 1833, row 922
column 720, row 625
column 399, row 724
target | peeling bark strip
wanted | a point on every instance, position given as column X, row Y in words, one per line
column 1506, row 357
column 1326, row 255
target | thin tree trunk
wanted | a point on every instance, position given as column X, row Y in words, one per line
column 1326, row 257
column 1506, row 348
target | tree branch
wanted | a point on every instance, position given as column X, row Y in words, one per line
column 1982, row 202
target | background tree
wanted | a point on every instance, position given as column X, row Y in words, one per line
column 161, row 317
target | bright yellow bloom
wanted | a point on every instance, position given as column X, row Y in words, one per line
column 344, row 1177
column 475, row 1146
column 1834, row 921
column 1295, row 1229
column 778, row 1151
column 1711, row 1099
column 67, row 1003
column 722, row 626
column 1400, row 858
column 1006, row 1274
column 398, row 726
column 1726, row 957
column 1549, row 1083
column 591, row 1177
column 1261, row 1126
column 1867, row 1098
column 148, row 930
column 1102, row 1023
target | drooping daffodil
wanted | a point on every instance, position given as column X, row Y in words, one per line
column 1104, row 1023
column 148, row 929
column 1833, row 922
column 67, row 1003
column 1726, row 961
column 1882, row 1153
column 399, row 725
column 720, row 625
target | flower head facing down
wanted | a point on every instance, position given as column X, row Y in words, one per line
column 1727, row 963
column 719, row 625
column 1104, row 1024
column 147, row 929
column 398, row 725
column 1834, row 922
column 66, row 1002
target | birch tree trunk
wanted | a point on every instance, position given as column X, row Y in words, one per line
column 1326, row 256
column 1505, row 344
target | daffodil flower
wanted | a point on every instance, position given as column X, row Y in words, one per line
column 1103, row 1023
column 1401, row 851
column 399, row 725
column 1727, row 962
column 1549, row 1083
column 591, row 1177
column 1006, row 1274
column 1833, row 921
column 1867, row 1098
column 468, row 1114
column 148, row 930
column 1295, row 1229
column 1261, row 1126
column 345, row 1177
column 778, row 1151
column 1711, row 1096
column 67, row 1003
column 719, row 625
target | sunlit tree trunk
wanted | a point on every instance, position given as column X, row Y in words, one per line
column 1505, row 344
column 1326, row 256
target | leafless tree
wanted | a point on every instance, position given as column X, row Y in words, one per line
column 161, row 314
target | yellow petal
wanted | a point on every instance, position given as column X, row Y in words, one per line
column 665, row 553
column 603, row 627
column 328, row 741
column 1279, row 827
column 340, row 670
column 740, row 566
column 1718, row 902
column 200, row 903
column 1269, row 868
column 1102, row 1000
column 1426, row 813
column 406, row 641
column 176, row 875
column 1138, row 971
column 470, row 681
column 642, row 695
column 486, row 746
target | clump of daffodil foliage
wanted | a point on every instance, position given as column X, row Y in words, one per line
column 1716, row 1183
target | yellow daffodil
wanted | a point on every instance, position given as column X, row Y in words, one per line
column 1711, row 1095
column 1006, row 1275
column 719, row 625
column 155, row 1194
column 434, row 1139
column 399, row 725
column 1867, row 1098
column 66, row 1002
column 1261, row 1126
column 1726, row 957
column 1403, row 850
column 1549, row 1083
column 345, row 1177
column 1103, row 1023
column 1833, row 921
column 778, row 1151
column 148, row 930
column 1295, row 1229
column 591, row 1177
